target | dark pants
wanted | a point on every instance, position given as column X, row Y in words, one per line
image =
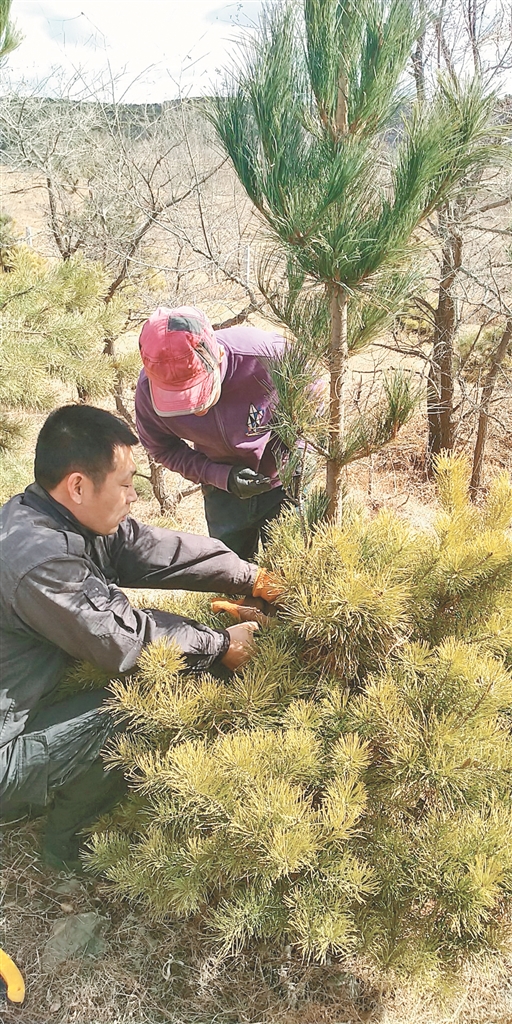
column 240, row 523
column 56, row 761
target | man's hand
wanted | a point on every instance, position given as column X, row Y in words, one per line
column 245, row 483
column 242, row 646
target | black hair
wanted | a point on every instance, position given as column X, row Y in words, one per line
column 79, row 438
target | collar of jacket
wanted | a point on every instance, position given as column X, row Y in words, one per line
column 37, row 498
column 97, row 546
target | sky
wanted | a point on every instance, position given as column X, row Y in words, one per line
column 152, row 48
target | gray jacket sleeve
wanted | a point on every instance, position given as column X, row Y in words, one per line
column 66, row 604
column 145, row 556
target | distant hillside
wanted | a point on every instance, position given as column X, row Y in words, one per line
column 134, row 119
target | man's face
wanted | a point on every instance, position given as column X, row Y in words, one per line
column 104, row 506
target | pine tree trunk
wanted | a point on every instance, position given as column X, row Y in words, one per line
column 337, row 368
column 60, row 241
column 434, row 428
column 338, row 351
column 418, row 60
column 483, row 418
column 158, row 482
column 83, row 394
column 441, row 384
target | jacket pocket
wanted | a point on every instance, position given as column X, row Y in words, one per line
column 108, row 602
column 96, row 592
column 24, row 765
column 6, row 717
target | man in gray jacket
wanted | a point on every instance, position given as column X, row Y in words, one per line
column 67, row 545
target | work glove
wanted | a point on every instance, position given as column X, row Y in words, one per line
column 268, row 586
column 245, row 483
column 247, row 609
column 241, row 645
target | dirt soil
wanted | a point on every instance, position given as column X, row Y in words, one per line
column 155, row 974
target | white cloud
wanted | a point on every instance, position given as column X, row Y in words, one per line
column 162, row 41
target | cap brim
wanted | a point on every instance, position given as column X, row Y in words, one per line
column 169, row 402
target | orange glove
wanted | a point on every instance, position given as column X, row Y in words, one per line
column 268, row 586
column 246, row 610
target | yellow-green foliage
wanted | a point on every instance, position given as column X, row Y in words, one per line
column 348, row 590
column 54, row 324
column 54, row 327
column 127, row 366
column 356, row 594
column 16, row 469
column 349, row 789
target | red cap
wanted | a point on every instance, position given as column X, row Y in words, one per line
column 181, row 357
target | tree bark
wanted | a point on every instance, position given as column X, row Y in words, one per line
column 338, row 350
column 342, row 107
column 168, row 500
column 483, row 418
column 83, row 394
column 434, row 428
column 441, row 384
column 472, row 19
column 54, row 220
column 338, row 359
column 158, row 483
column 418, row 60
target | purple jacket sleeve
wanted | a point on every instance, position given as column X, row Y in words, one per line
column 171, row 451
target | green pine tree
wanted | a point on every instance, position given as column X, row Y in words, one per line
column 342, row 166
column 54, row 326
column 10, row 36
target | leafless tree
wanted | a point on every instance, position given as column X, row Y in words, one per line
column 142, row 190
column 466, row 37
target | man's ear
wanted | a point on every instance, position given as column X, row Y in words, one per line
column 75, row 487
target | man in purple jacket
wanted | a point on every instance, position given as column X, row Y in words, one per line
column 213, row 390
